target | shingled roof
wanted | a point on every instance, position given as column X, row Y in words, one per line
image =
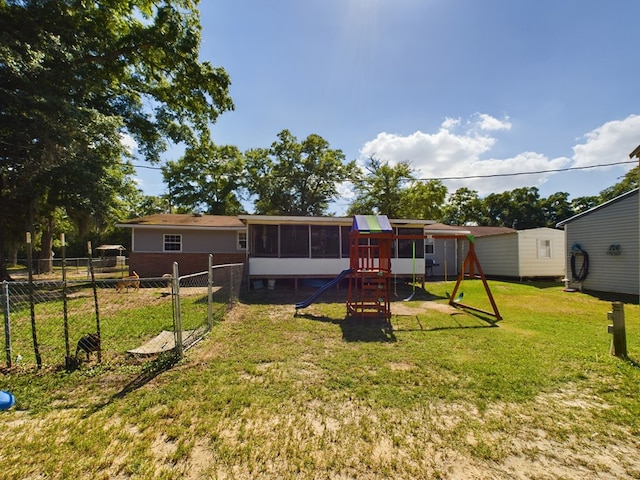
column 185, row 220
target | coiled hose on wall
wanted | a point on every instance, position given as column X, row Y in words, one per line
column 577, row 251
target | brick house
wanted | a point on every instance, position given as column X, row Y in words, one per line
column 159, row 240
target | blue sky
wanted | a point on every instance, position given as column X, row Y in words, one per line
column 459, row 88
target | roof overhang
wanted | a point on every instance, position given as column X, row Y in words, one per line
column 174, row 227
column 289, row 219
column 345, row 221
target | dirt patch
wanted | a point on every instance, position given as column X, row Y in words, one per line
column 401, row 308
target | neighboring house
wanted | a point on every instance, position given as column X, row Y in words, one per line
column 159, row 240
column 609, row 235
column 443, row 256
column 532, row 253
column 301, row 248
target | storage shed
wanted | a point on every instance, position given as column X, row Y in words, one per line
column 607, row 238
column 509, row 253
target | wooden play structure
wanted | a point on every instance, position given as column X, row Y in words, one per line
column 369, row 293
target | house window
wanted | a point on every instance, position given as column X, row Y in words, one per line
column 325, row 242
column 429, row 247
column 406, row 247
column 544, row 248
column 345, row 241
column 172, row 243
column 264, row 240
column 294, row 241
column 242, row 241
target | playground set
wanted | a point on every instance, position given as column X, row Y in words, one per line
column 370, row 275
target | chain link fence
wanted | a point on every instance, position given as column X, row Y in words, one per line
column 65, row 323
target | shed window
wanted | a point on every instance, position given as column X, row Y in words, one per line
column 172, row 243
column 544, row 248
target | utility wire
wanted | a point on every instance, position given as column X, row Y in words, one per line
column 492, row 175
column 536, row 172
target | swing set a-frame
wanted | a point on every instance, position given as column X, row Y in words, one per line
column 369, row 293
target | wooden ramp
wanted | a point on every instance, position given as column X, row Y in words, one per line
column 163, row 342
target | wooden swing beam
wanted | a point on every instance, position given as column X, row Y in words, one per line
column 471, row 263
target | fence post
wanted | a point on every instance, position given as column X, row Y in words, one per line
column 177, row 311
column 617, row 329
column 7, row 323
column 95, row 300
column 232, row 285
column 210, row 293
column 65, row 308
column 34, row 335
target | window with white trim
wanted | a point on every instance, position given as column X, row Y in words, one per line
column 172, row 242
column 242, row 241
column 429, row 246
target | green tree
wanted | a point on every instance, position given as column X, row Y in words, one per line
column 463, row 207
column 296, row 178
column 74, row 78
column 518, row 208
column 423, row 200
column 582, row 204
column 556, row 208
column 208, row 179
column 381, row 188
column 628, row 183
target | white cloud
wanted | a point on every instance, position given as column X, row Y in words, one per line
column 447, row 154
column 487, row 122
column 461, row 150
column 128, row 142
column 610, row 143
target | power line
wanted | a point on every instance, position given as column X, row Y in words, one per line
column 493, row 175
column 536, row 172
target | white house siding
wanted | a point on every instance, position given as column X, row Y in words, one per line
column 531, row 262
column 276, row 267
column 498, row 254
column 613, row 223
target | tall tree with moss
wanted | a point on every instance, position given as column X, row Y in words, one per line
column 75, row 77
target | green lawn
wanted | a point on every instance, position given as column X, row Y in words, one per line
column 268, row 394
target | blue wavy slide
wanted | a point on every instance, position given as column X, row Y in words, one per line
column 322, row 289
